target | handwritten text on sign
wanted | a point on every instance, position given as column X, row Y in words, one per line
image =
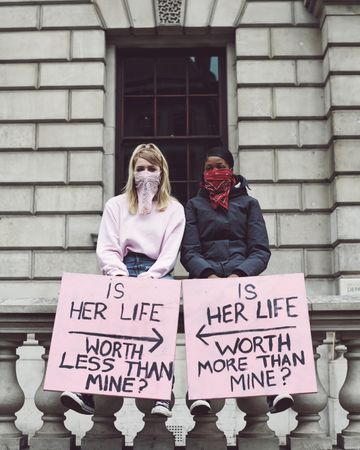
column 248, row 336
column 114, row 336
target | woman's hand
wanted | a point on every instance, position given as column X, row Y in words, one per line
column 213, row 276
column 233, row 275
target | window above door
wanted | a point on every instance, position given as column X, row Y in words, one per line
column 175, row 98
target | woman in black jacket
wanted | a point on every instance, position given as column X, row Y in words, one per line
column 225, row 236
column 225, row 231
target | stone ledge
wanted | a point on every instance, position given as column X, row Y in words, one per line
column 334, row 302
column 27, row 305
column 36, row 315
column 48, row 304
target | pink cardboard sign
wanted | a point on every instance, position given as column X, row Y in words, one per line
column 248, row 336
column 114, row 336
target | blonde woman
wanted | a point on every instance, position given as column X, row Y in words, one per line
column 141, row 229
column 140, row 236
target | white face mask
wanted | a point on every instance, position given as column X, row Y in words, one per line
column 147, row 185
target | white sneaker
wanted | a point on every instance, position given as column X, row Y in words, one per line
column 279, row 403
column 200, row 407
column 162, row 408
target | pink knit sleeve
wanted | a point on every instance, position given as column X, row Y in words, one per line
column 108, row 250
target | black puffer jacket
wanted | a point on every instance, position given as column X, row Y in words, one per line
column 225, row 242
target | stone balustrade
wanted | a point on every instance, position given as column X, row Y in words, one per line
column 21, row 317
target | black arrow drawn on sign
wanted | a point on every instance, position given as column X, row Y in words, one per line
column 158, row 339
column 200, row 335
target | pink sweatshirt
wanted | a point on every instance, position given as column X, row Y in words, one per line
column 158, row 235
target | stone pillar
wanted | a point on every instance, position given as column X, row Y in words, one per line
column 282, row 135
column 256, row 435
column 103, row 434
column 53, row 435
column 340, row 24
column 308, row 434
column 154, row 435
column 206, row 434
column 349, row 397
column 11, row 395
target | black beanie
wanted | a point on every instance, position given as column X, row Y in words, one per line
column 222, row 153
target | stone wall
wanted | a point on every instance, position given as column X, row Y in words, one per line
column 298, row 127
column 340, row 26
column 282, row 139
column 297, row 133
column 52, row 78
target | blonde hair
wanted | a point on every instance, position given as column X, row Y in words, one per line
column 153, row 155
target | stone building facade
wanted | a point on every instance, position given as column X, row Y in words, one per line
column 292, row 103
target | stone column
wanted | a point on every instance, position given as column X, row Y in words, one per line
column 308, row 434
column 256, row 435
column 11, row 395
column 349, row 397
column 103, row 434
column 282, row 133
column 340, row 24
column 53, row 435
column 154, row 435
column 206, row 434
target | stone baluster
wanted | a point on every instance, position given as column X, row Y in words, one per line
column 206, row 434
column 11, row 395
column 308, row 434
column 103, row 434
column 154, row 435
column 53, row 435
column 256, row 435
column 349, row 397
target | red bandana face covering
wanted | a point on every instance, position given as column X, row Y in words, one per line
column 218, row 183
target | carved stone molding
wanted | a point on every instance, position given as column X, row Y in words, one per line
column 316, row 6
column 169, row 12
